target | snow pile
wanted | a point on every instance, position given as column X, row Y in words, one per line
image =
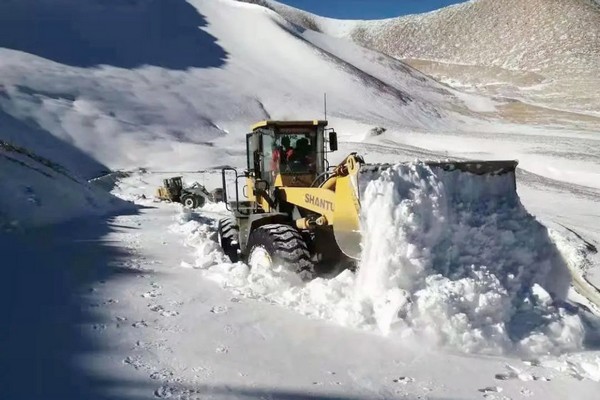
column 449, row 258
column 457, row 258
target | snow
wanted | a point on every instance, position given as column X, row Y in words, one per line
column 467, row 256
column 130, row 321
column 40, row 192
column 216, row 344
column 138, row 301
column 452, row 259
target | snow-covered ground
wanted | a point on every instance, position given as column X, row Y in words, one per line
column 138, row 301
column 124, row 318
column 37, row 191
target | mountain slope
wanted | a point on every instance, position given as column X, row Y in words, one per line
column 180, row 92
column 174, row 85
column 39, row 191
column 541, row 51
column 557, row 42
column 192, row 82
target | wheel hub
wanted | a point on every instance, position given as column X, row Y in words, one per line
column 260, row 258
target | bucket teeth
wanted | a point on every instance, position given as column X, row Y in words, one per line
column 476, row 167
column 371, row 168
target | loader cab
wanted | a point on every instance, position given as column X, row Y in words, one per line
column 174, row 187
column 287, row 153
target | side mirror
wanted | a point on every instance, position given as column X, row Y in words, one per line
column 333, row 143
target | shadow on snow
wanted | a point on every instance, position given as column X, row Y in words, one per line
column 48, row 322
column 50, row 349
column 119, row 33
column 28, row 134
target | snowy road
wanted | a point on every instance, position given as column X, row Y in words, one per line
column 123, row 319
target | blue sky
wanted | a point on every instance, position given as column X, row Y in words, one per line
column 368, row 9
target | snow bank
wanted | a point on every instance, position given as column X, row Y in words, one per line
column 449, row 258
column 39, row 192
column 457, row 258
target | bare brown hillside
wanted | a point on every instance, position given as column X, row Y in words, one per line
column 556, row 41
column 544, row 52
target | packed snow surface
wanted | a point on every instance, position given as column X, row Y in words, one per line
column 449, row 258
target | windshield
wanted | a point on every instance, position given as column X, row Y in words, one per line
column 295, row 152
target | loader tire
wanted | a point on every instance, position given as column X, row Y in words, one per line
column 228, row 235
column 278, row 244
column 192, row 201
column 189, row 201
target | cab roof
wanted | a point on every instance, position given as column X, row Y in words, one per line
column 271, row 123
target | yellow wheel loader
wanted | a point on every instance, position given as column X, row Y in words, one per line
column 193, row 196
column 295, row 209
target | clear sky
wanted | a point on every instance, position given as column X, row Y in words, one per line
column 368, row 9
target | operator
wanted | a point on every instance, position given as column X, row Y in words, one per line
column 281, row 153
column 301, row 154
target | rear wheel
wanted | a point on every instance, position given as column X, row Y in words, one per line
column 228, row 234
column 277, row 244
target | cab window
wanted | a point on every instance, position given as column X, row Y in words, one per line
column 295, row 152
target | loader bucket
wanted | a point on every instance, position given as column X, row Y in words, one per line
column 483, row 176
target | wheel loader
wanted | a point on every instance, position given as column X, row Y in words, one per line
column 296, row 210
column 193, row 196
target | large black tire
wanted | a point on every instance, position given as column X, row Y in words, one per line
column 189, row 201
column 285, row 246
column 193, row 201
column 228, row 235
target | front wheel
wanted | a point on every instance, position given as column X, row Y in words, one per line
column 192, row 201
column 228, row 235
column 278, row 244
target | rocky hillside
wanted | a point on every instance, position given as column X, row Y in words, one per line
column 545, row 52
column 557, row 42
column 536, row 35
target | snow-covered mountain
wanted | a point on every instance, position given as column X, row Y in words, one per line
column 172, row 80
column 175, row 85
column 172, row 86
column 541, row 51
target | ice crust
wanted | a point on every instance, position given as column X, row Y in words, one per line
column 449, row 258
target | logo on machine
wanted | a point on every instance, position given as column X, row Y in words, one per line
column 314, row 200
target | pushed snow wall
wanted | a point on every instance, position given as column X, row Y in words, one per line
column 456, row 258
